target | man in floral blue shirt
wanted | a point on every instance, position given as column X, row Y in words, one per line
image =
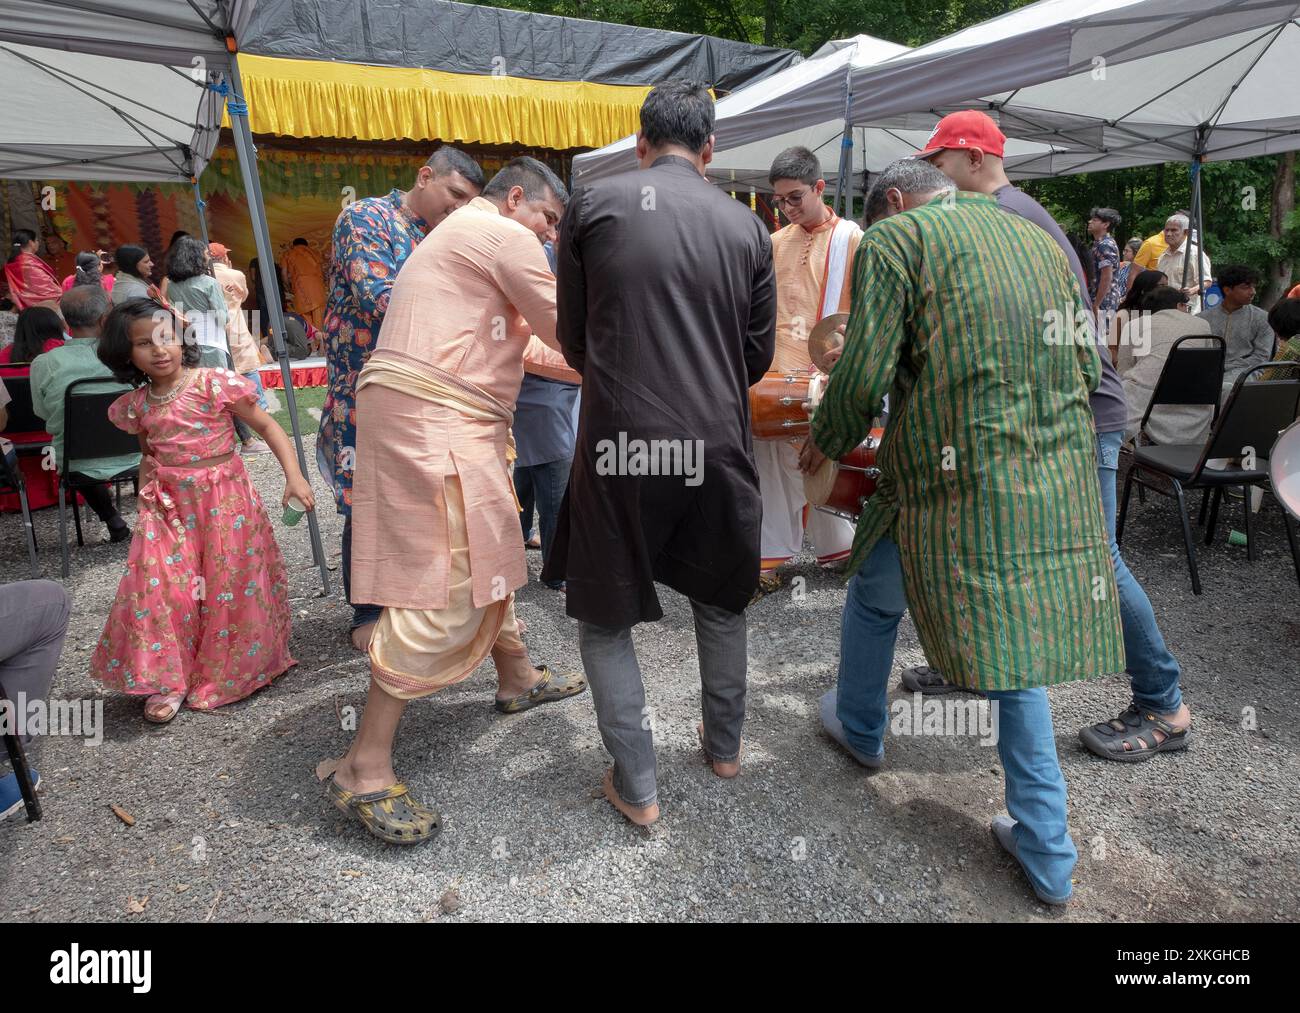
column 372, row 239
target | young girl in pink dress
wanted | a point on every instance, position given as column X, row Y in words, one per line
column 201, row 615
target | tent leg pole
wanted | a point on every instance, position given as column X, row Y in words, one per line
column 200, row 205
column 243, row 136
column 845, row 162
column 1199, row 212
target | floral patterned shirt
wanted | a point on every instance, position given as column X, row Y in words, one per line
column 372, row 239
column 1105, row 253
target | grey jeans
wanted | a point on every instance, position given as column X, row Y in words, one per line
column 609, row 658
column 33, row 622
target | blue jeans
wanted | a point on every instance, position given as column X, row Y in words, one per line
column 1152, row 670
column 1035, row 788
column 361, row 613
column 255, row 378
column 542, row 485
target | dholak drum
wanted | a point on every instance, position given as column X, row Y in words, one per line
column 1284, row 469
column 843, row 487
column 780, row 405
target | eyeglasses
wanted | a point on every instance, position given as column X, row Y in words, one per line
column 791, row 201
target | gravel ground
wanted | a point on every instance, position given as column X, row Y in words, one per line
column 230, row 823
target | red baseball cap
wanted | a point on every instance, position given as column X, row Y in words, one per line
column 969, row 128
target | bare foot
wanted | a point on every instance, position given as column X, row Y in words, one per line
column 726, row 769
column 642, row 816
column 349, row 776
column 361, row 637
column 515, row 675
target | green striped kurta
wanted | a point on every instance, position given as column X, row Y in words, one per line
column 965, row 315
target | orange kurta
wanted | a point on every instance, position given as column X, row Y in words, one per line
column 471, row 302
column 799, row 257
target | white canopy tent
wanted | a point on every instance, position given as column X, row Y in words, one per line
column 1108, row 84
column 744, row 165
column 132, row 90
column 1095, row 84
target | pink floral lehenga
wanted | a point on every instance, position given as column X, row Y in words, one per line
column 203, row 606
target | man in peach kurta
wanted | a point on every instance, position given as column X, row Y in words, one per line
column 306, row 277
column 435, row 523
column 813, row 260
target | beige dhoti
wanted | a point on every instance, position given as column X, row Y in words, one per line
column 415, row 652
column 441, row 618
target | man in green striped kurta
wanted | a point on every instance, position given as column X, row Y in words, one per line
column 987, row 512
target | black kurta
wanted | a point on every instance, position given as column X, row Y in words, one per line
column 667, row 307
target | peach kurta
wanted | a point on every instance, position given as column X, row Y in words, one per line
column 799, row 257
column 471, row 302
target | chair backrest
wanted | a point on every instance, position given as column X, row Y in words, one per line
column 1256, row 411
column 22, row 419
column 1193, row 374
column 87, row 432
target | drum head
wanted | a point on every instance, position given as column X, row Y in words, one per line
column 1284, row 469
column 817, row 485
column 816, row 388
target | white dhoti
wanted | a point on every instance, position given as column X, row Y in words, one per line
column 786, row 513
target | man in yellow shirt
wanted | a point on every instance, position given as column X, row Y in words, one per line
column 1153, row 247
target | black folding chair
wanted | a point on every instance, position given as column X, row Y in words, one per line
column 22, row 418
column 11, row 480
column 1256, row 411
column 14, row 747
column 88, row 434
column 1192, row 377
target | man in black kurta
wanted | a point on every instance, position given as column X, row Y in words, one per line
column 667, row 307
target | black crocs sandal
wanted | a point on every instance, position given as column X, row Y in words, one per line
column 1131, row 738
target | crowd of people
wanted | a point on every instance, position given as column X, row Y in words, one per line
column 490, row 341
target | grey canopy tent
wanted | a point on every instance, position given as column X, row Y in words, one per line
column 1110, row 84
column 847, row 155
column 77, row 108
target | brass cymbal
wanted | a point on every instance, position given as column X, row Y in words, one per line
column 825, row 337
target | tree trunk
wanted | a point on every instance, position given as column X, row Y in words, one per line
column 771, row 14
column 1279, row 278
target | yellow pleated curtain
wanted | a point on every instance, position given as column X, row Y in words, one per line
column 308, row 98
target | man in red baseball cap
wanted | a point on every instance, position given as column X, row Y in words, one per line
column 966, row 130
